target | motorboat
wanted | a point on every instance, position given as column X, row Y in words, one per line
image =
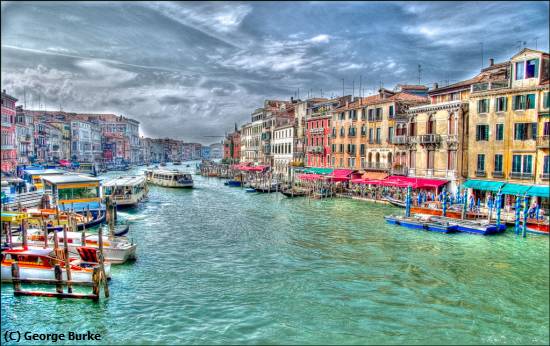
column 169, row 178
column 126, row 191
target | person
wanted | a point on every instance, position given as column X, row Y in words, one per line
column 472, row 202
column 490, row 201
column 533, row 209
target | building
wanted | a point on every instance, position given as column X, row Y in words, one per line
column 509, row 122
column 232, row 146
column 251, row 138
column 205, row 152
column 282, row 146
column 275, row 113
column 121, row 142
column 216, row 151
column 64, row 141
column 318, row 131
column 8, row 146
column 24, row 133
column 86, row 141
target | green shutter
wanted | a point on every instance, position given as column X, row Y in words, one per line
column 486, row 128
column 505, row 104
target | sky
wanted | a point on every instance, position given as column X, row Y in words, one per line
column 187, row 70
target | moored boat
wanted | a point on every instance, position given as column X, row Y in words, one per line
column 116, row 250
column 482, row 227
column 169, row 178
column 294, row 192
column 38, row 264
column 424, row 222
column 394, row 201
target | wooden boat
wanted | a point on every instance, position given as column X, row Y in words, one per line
column 250, row 190
column 294, row 192
column 126, row 191
column 482, row 227
column 38, row 264
column 434, row 208
column 116, row 250
column 538, row 226
column 37, row 217
column 169, row 178
column 424, row 222
column 394, row 201
column 233, row 183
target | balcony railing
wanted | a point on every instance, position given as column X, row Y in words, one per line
column 481, row 173
column 429, row 139
column 315, row 149
column 378, row 166
column 400, row 171
column 545, row 176
column 316, row 131
column 521, row 175
column 452, row 138
column 543, row 141
column 484, row 86
column 498, row 174
column 401, row 139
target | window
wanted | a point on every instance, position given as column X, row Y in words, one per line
column 525, row 131
column 391, row 112
column 532, row 68
column 521, row 102
column 341, row 148
column 519, row 70
column 546, row 102
column 522, row 164
column 482, row 133
column 371, row 112
column 333, row 148
column 481, row 162
column 378, row 113
column 362, row 149
column 390, row 134
column 546, row 128
column 499, row 132
column 530, row 101
column 500, row 104
column 546, row 165
column 498, row 163
column 363, row 114
column 378, row 135
column 371, row 131
column 342, row 132
column 483, row 106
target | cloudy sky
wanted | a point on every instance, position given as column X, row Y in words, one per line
column 189, row 70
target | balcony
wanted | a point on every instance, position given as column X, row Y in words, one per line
column 317, row 131
column 377, row 166
column 545, row 176
column 481, row 173
column 498, row 174
column 400, row 140
column 485, row 86
column 315, row 149
column 7, row 147
column 429, row 139
column 521, row 175
column 452, row 139
column 400, row 171
column 543, row 141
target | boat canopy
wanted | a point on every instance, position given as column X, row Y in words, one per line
column 515, row 189
column 31, row 171
column 125, row 181
column 539, row 191
column 319, row 170
column 69, row 179
column 483, row 185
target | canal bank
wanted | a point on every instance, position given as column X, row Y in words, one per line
column 218, row 265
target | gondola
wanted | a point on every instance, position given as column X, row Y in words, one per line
column 394, row 201
column 290, row 193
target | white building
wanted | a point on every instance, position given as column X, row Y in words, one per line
column 283, row 150
column 85, row 141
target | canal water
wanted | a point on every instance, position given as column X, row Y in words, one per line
column 219, row 265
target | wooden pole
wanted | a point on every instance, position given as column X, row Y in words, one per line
column 57, row 214
column 24, row 233
column 15, row 276
column 83, row 238
column 101, row 258
column 45, row 228
column 95, row 281
column 58, row 278
column 67, row 264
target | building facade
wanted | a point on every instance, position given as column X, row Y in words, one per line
column 283, row 150
column 24, row 132
column 8, row 151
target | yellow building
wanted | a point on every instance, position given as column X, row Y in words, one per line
column 509, row 123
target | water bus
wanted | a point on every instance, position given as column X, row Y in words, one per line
column 33, row 177
column 169, row 178
column 75, row 192
column 126, row 191
column 38, row 264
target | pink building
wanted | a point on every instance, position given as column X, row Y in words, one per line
column 8, row 148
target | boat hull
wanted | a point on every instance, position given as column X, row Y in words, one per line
column 48, row 274
column 234, row 183
column 417, row 224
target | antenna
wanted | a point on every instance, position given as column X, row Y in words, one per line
column 360, row 86
column 419, row 73
column 298, row 93
column 481, row 43
column 321, row 92
column 25, row 98
column 353, row 89
column 343, row 92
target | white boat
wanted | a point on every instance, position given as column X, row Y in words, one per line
column 117, row 250
column 38, row 264
column 126, row 191
column 169, row 178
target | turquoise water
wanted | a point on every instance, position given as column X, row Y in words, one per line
column 218, row 265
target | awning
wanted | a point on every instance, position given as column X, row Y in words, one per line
column 374, row 175
column 483, row 185
column 515, row 189
column 64, row 163
column 340, row 174
column 416, row 183
column 539, row 191
column 318, row 170
column 309, row 176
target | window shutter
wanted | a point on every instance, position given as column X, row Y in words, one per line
column 505, row 104
column 486, row 135
column 514, row 101
column 534, row 131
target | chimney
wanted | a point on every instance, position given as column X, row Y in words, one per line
column 491, row 62
column 291, row 99
column 435, row 86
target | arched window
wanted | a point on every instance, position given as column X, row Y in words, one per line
column 370, row 157
column 390, row 157
column 452, row 124
column 431, row 124
column 377, row 157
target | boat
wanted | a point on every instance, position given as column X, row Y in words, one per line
column 88, row 168
column 294, row 192
column 233, row 183
column 38, row 264
column 126, row 191
column 75, row 192
column 538, row 226
column 267, row 188
column 394, row 201
column 163, row 164
column 419, row 221
column 169, row 178
column 116, row 250
column 121, row 230
column 177, row 163
column 482, row 227
column 33, row 177
column 250, row 190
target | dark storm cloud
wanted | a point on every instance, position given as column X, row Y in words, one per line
column 188, row 70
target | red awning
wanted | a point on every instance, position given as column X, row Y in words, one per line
column 416, row 183
column 64, row 163
column 340, row 174
column 310, row 176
